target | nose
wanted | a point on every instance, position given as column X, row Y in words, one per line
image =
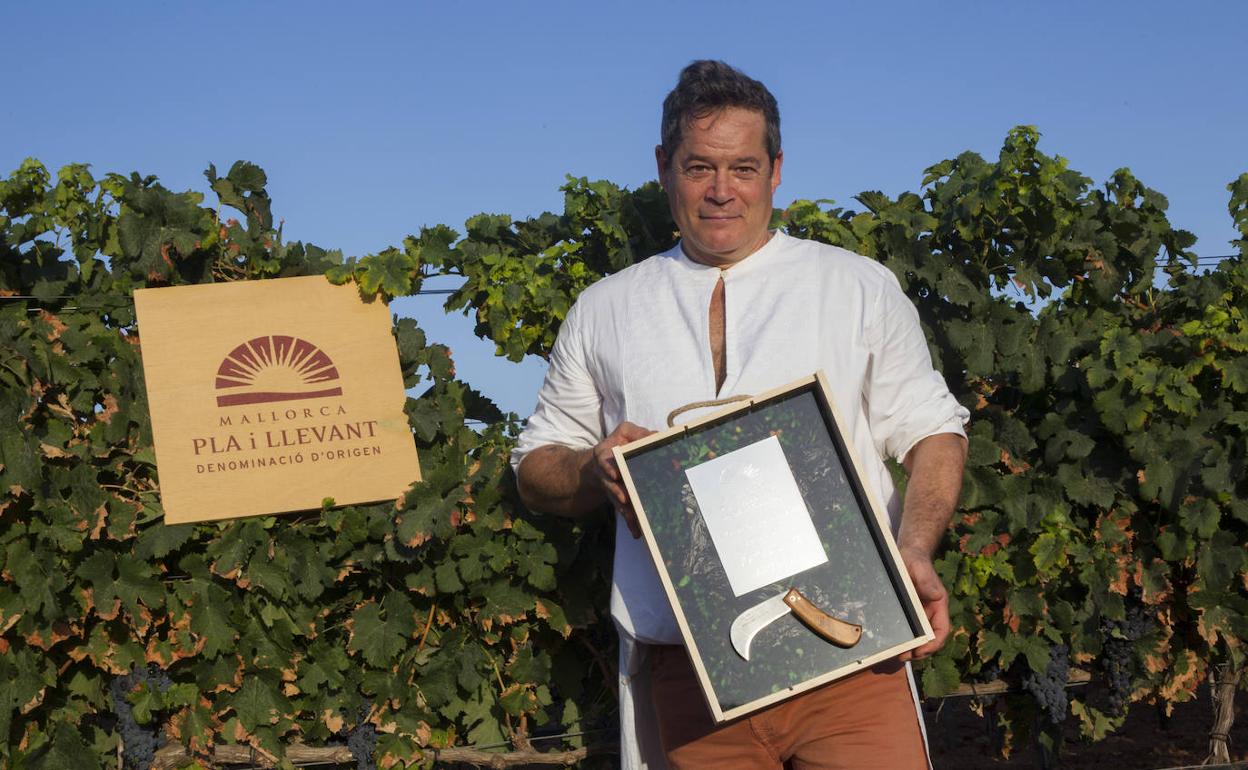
column 720, row 189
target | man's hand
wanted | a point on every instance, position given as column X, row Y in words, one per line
column 934, row 598
column 572, row 482
column 935, row 468
column 608, row 472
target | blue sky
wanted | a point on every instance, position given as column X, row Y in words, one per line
column 373, row 119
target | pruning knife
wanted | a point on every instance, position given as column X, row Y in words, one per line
column 753, row 620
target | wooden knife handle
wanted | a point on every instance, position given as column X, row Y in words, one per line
column 836, row 631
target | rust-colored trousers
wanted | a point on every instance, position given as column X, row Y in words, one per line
column 864, row 721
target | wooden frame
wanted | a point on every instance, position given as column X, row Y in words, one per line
column 863, row 579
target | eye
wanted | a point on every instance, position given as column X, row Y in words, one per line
column 697, row 170
column 745, row 172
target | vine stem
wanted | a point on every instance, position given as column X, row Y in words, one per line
column 1222, row 684
column 123, row 488
column 428, row 625
column 602, row 666
column 511, row 730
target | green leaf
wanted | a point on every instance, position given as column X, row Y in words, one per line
column 1049, row 552
column 529, row 666
column 382, row 631
column 485, row 729
column 1034, row 650
column 1095, row 723
column 940, row 676
column 210, row 617
column 145, row 701
column 1220, row 561
column 1200, row 517
column 248, row 176
column 264, row 573
column 388, row 273
column 258, row 702
column 393, row 749
column 1159, row 480
column 507, row 602
column 541, row 576
column 1084, row 487
column 159, row 540
column 65, row 749
column 438, row 686
column 1235, row 374
column 34, row 568
column 448, row 578
column 309, row 572
column 517, row 700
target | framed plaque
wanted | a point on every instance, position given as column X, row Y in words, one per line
column 777, row 560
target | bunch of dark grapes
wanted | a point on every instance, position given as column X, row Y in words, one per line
column 990, row 671
column 139, row 742
column 1118, row 654
column 1049, row 688
column 362, row 742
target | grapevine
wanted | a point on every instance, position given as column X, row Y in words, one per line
column 1106, row 443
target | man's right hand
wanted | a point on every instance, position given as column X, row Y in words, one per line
column 573, row 482
column 607, row 471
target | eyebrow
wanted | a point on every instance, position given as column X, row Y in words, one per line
column 735, row 161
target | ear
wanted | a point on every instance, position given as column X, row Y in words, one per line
column 660, row 161
column 775, row 170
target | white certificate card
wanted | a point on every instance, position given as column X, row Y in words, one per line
column 756, row 516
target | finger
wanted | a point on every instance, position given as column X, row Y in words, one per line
column 607, row 466
column 923, row 651
column 922, row 573
column 928, row 586
column 940, row 634
column 631, row 431
column 630, row 518
column 638, row 433
column 611, row 473
column 619, row 496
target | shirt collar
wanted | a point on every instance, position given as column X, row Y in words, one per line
column 749, row 264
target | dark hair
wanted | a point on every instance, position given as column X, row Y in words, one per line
column 706, row 86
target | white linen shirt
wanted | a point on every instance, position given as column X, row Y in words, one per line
column 636, row 345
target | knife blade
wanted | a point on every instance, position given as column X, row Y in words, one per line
column 756, row 618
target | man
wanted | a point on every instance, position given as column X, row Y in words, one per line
column 737, row 309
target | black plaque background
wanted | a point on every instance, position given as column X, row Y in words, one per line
column 858, row 583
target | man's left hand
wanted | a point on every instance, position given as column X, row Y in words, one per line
column 935, row 601
column 935, row 468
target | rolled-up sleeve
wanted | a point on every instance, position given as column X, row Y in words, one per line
column 906, row 399
column 569, row 405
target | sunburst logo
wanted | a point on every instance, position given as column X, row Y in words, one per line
column 275, row 368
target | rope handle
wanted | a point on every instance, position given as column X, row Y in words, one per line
column 671, row 418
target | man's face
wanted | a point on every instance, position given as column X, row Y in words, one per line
column 720, row 183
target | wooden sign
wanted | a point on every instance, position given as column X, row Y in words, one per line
column 270, row 396
column 778, row 562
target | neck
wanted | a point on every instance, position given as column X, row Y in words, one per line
column 727, row 263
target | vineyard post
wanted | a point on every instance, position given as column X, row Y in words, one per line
column 1223, row 681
